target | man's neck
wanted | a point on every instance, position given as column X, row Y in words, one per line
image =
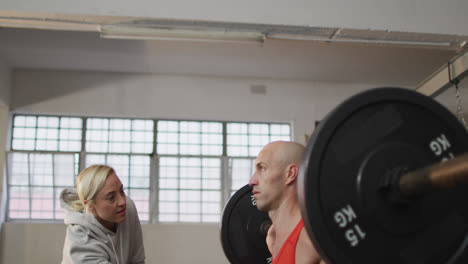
column 288, row 211
column 285, row 218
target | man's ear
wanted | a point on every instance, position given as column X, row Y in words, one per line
column 292, row 171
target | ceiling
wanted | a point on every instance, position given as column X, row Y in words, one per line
column 371, row 63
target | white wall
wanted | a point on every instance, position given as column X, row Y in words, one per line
column 180, row 97
column 427, row 16
column 157, row 96
column 164, row 244
column 4, row 114
column 5, row 89
column 5, row 82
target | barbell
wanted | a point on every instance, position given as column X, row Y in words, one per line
column 383, row 180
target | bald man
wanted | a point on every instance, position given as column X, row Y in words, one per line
column 274, row 188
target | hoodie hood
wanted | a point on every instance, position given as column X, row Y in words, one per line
column 82, row 218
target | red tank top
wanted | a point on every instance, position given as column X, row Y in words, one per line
column 287, row 253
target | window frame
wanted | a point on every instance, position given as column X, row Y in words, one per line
column 154, row 166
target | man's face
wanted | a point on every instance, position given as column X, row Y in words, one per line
column 267, row 180
column 110, row 204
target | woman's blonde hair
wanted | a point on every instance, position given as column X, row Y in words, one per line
column 89, row 183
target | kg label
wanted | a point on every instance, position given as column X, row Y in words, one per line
column 254, row 202
column 441, row 147
column 345, row 218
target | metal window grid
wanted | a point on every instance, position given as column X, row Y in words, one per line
column 190, row 144
column 26, row 175
column 179, row 175
column 46, row 133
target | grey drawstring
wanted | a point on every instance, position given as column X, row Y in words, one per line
column 121, row 251
column 113, row 248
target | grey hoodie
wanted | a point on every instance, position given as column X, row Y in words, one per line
column 87, row 241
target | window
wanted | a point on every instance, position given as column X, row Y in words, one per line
column 47, row 133
column 247, row 139
column 119, row 135
column 35, row 182
column 189, row 189
column 190, row 138
column 174, row 170
column 240, row 171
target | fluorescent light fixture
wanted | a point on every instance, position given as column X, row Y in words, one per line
column 359, row 41
column 126, row 32
column 47, row 25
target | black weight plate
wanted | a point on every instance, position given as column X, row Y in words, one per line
column 344, row 177
column 244, row 229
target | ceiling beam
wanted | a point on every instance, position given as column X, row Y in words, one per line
column 446, row 76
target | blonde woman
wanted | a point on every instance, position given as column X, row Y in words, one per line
column 102, row 222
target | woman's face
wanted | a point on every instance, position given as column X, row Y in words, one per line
column 109, row 207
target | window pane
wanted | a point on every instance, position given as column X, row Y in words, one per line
column 211, row 218
column 237, row 128
column 19, row 202
column 190, row 138
column 119, row 135
column 189, row 189
column 18, row 169
column 140, row 172
column 35, row 181
column 186, row 126
column 94, row 159
column 190, row 218
column 41, row 169
column 247, row 139
column 168, row 208
column 211, row 208
column 190, row 183
column 64, row 167
column 71, row 122
column 241, row 170
column 45, row 121
column 24, row 132
column 259, row 129
column 46, row 133
column 141, row 199
column 42, row 203
column 169, row 195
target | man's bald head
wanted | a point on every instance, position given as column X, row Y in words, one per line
column 276, row 171
column 285, row 152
